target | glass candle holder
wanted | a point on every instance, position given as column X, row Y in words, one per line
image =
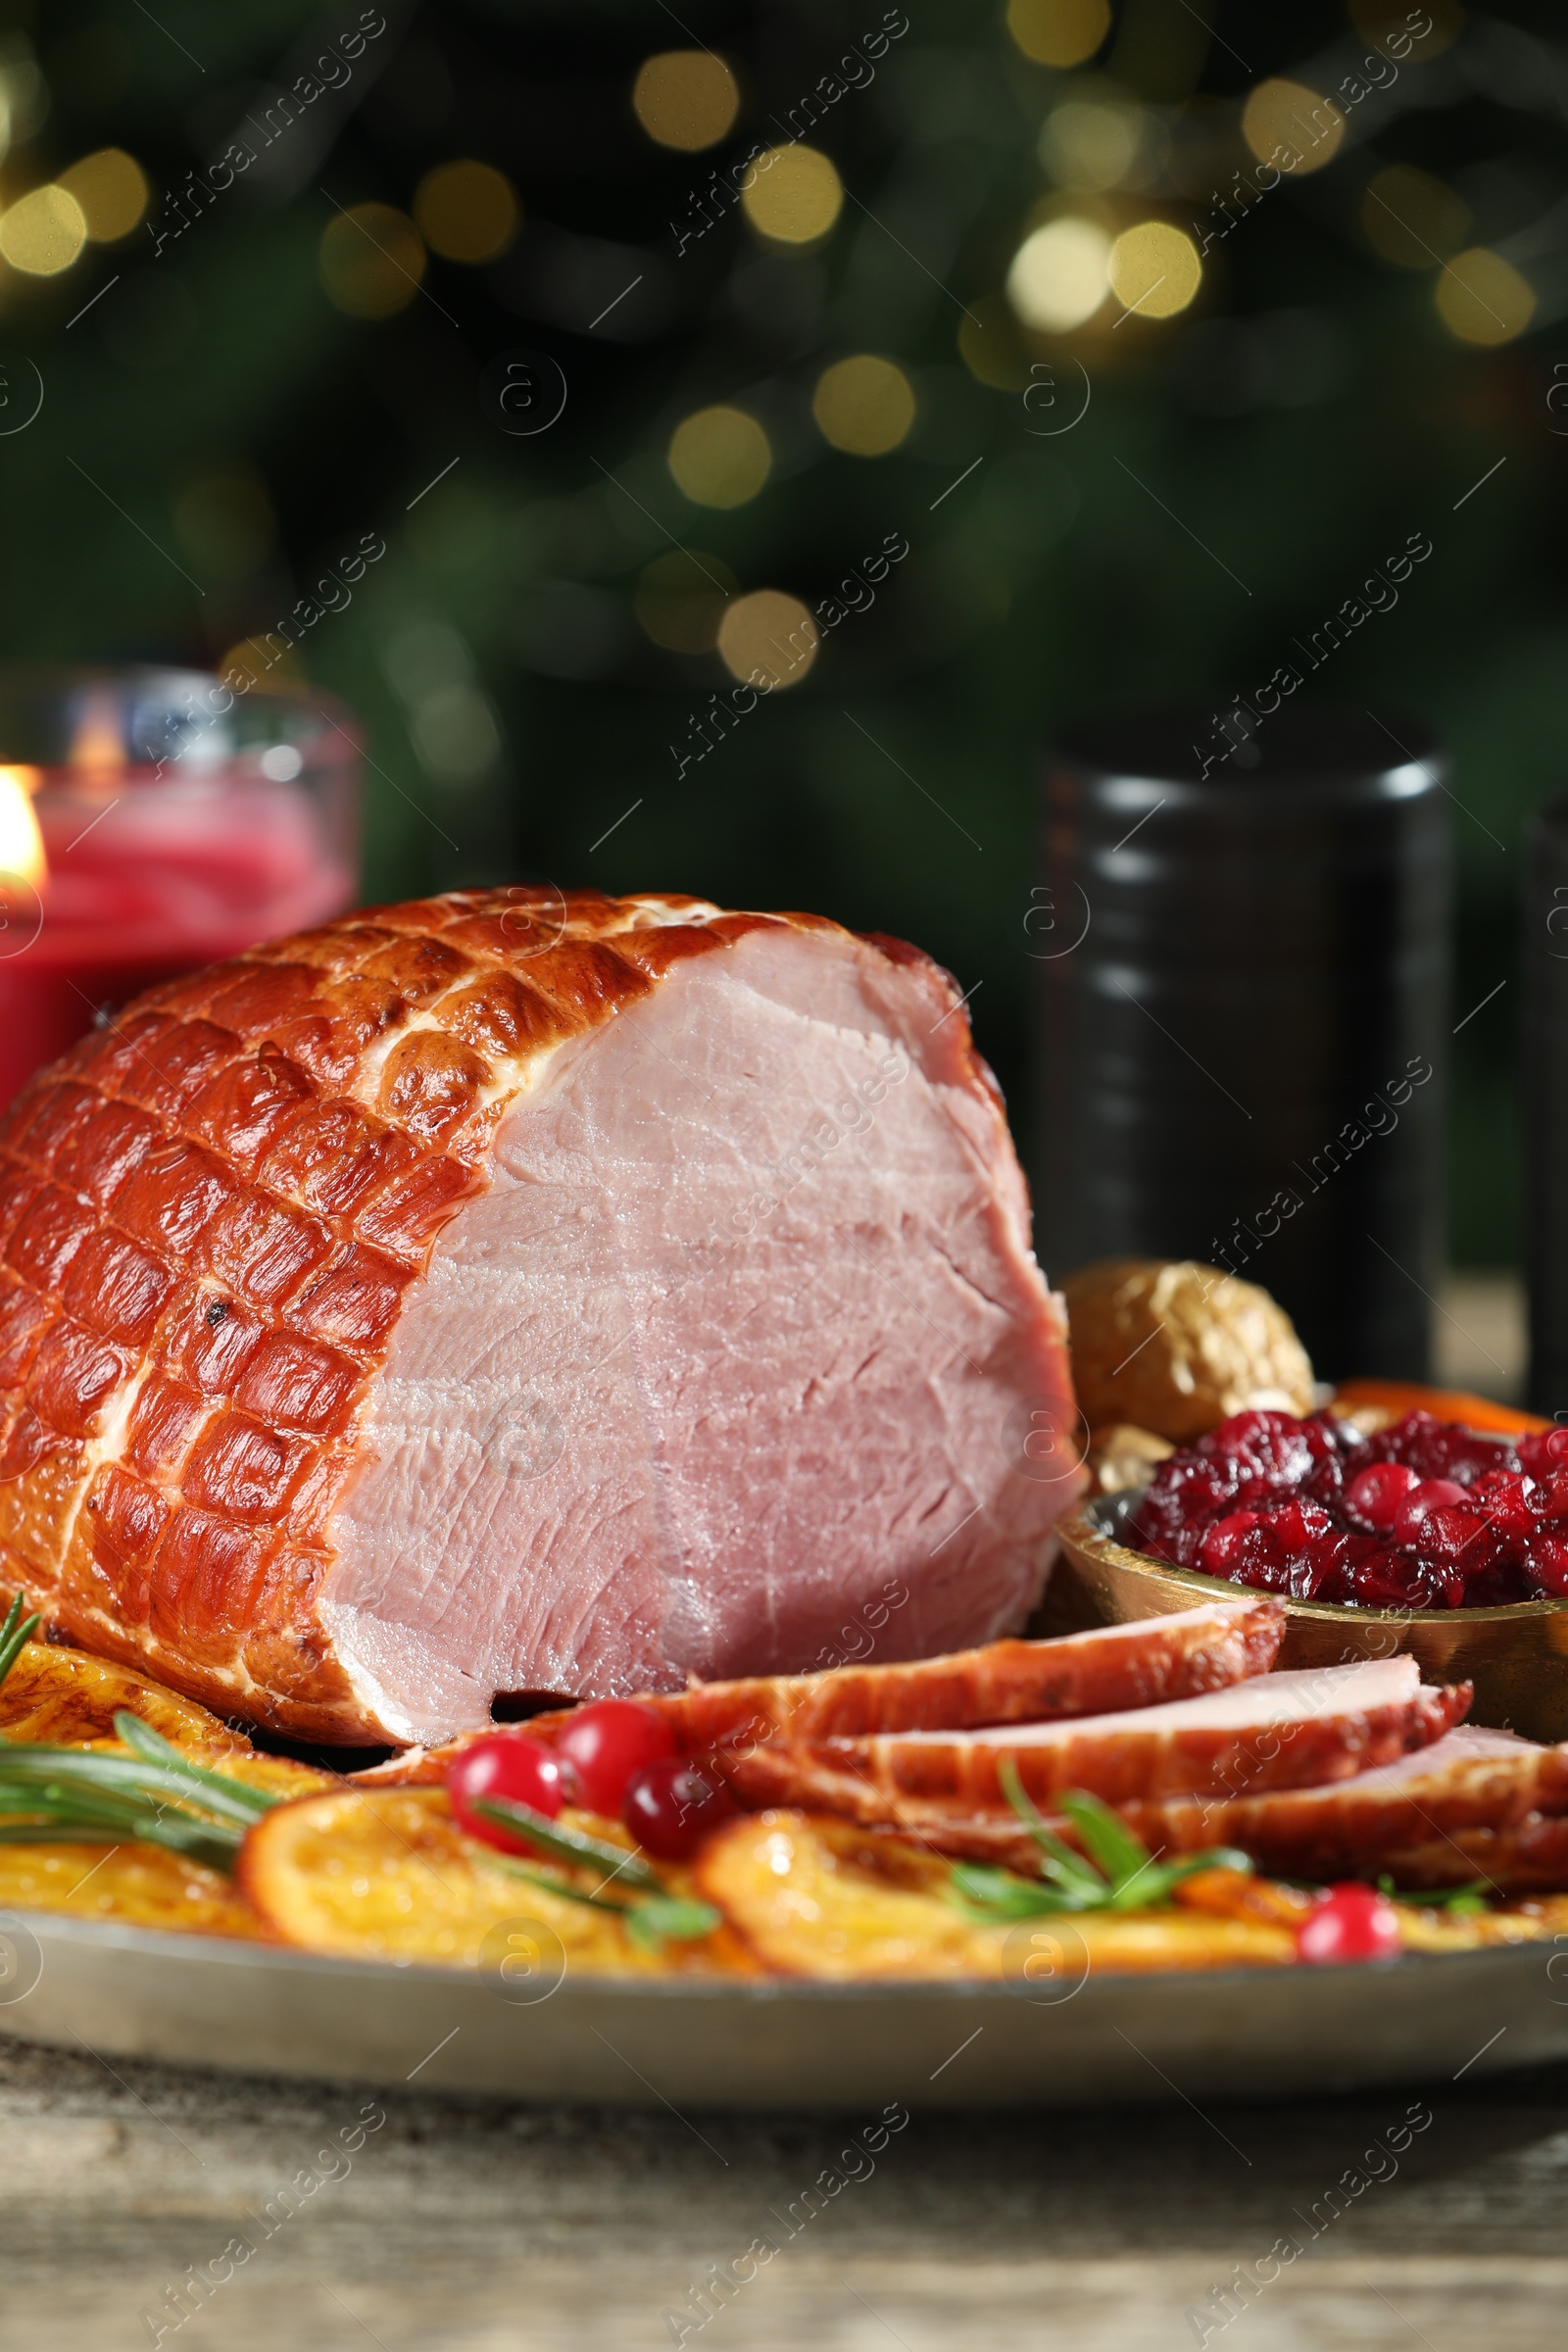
column 152, row 821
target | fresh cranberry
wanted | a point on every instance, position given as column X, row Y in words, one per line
column 1429, row 1495
column 1375, row 1493
column 512, row 1766
column 1352, row 1922
column 606, row 1743
column 670, row 1806
column 1545, row 1567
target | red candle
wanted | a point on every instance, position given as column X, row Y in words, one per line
column 117, row 872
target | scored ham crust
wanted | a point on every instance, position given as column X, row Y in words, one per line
column 509, row 1293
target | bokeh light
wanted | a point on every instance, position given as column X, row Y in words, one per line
column 720, row 457
column 1482, row 298
column 1410, row 219
column 769, row 634
column 1058, row 32
column 1381, row 22
column 680, row 599
column 111, row 188
column 466, row 212
column 372, row 261
column 43, row 231
column 685, row 98
column 864, row 405
column 792, row 194
column 1287, row 115
column 1059, row 276
column 1155, row 269
column 1089, row 144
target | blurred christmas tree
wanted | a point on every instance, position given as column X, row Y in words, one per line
column 818, row 286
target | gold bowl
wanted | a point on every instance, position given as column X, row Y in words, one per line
column 1516, row 1656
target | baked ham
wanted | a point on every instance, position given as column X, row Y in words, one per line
column 1137, row 1665
column 1475, row 1804
column 510, row 1293
column 1277, row 1731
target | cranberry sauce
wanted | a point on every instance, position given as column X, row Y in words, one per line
column 1421, row 1516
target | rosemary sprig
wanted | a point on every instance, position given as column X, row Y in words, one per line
column 1119, row 1873
column 154, row 1796
column 15, row 1635
column 652, row 1915
column 1471, row 1897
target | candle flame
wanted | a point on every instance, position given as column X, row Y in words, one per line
column 21, row 852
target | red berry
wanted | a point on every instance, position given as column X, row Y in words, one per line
column 606, row 1742
column 1429, row 1495
column 509, row 1765
column 671, row 1806
column 1375, row 1494
column 1546, row 1567
column 1550, row 1498
column 1544, row 1452
column 1352, row 1922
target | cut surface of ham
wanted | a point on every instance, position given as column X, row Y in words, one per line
column 1277, row 1731
column 506, row 1294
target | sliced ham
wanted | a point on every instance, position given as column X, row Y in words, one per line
column 1008, row 1681
column 1476, row 1803
column 1277, row 1731
column 506, row 1294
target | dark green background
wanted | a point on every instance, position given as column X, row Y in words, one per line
column 1307, row 415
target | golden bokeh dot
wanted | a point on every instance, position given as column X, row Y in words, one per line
column 680, row 599
column 372, row 261
column 792, row 194
column 1090, row 144
column 767, row 635
column 685, row 98
column 1059, row 276
column 111, row 188
column 1387, row 23
column 1285, row 119
column 43, row 232
column 1410, row 219
column 720, row 457
column 1482, row 299
column 466, row 212
column 864, row 405
column 1155, row 270
column 1058, row 32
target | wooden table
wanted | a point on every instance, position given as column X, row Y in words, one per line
column 511, row 2230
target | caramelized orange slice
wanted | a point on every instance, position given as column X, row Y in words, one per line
column 386, row 1873
column 64, row 1699
column 815, row 1896
column 127, row 1886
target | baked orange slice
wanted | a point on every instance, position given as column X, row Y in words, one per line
column 124, row 1885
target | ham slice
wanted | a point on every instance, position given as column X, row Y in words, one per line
column 1277, row 1731
column 504, row 1294
column 1476, row 1803
column 1133, row 1665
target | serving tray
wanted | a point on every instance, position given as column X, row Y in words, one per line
column 124, row 1992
